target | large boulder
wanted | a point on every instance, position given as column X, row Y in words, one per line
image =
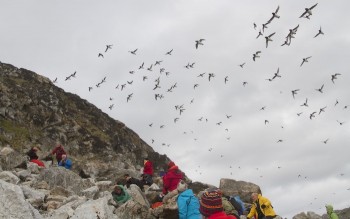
column 132, row 210
column 93, row 209
column 13, row 204
column 241, row 188
column 9, row 158
column 59, row 176
column 138, row 196
column 9, row 177
column 308, row 215
column 34, row 197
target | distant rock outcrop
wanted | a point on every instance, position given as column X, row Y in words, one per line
column 241, row 188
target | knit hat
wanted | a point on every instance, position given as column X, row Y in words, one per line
column 211, row 202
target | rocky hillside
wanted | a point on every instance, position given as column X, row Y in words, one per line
column 35, row 111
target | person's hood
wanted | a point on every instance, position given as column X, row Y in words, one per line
column 187, row 193
column 329, row 209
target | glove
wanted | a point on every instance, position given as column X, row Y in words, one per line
column 263, row 206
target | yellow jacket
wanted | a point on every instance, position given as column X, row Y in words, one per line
column 267, row 211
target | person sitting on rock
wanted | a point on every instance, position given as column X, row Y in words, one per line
column 65, row 162
column 147, row 172
column 33, row 157
column 120, row 195
column 331, row 214
column 58, row 151
column 172, row 178
column 211, row 205
column 131, row 180
column 261, row 208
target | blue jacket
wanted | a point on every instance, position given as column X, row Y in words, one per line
column 188, row 205
column 66, row 164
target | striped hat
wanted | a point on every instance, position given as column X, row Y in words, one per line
column 211, row 202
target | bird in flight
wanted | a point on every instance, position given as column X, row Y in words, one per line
column 340, row 123
column 305, row 60
column 199, row 42
column 268, row 38
column 274, row 15
column 322, row 110
column 100, row 55
column 325, row 141
column 54, row 81
column 305, row 103
column 319, row 32
column 308, row 11
column 312, row 115
column 141, row 66
column 256, row 55
column 169, row 53
column 294, row 92
column 241, row 65
column 320, row 89
column 335, row 77
column 133, row 52
column 108, row 47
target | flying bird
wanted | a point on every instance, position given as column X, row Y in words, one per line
column 199, row 42
column 312, row 115
column 54, row 81
column 100, row 55
column 256, row 55
column 319, row 32
column 305, row 103
column 335, row 76
column 320, row 89
column 294, row 92
column 325, row 141
column 322, row 110
column 141, row 66
column 305, row 60
column 133, row 52
column 268, row 38
column 108, row 47
column 241, row 65
column 308, row 11
column 169, row 53
column 274, row 15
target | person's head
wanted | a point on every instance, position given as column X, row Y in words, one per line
column 182, row 186
column 211, row 202
column 64, row 156
column 117, row 189
column 171, row 164
column 254, row 196
column 127, row 176
column 145, row 160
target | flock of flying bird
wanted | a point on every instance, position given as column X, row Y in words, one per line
column 159, row 91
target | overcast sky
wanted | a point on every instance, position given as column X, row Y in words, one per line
column 299, row 163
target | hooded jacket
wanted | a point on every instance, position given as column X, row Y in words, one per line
column 267, row 211
column 171, row 179
column 331, row 213
column 122, row 198
column 188, row 205
column 148, row 168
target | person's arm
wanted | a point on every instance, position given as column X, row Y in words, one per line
column 252, row 212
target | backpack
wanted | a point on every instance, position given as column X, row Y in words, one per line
column 188, row 205
column 237, row 204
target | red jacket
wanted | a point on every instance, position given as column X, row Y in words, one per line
column 59, row 151
column 171, row 179
column 38, row 162
column 148, row 168
column 221, row 215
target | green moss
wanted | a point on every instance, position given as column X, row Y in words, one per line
column 19, row 134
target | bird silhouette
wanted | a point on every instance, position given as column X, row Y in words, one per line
column 55, row 80
column 199, row 42
column 169, row 52
column 322, row 110
column 320, row 89
column 312, row 115
column 308, row 11
column 319, row 32
column 259, row 34
column 305, row 103
column 274, row 15
column 100, row 55
column 268, row 38
column 241, row 65
column 108, row 47
column 141, row 66
column 294, row 92
column 335, row 77
column 325, row 141
column 305, row 60
column 256, row 55
column 133, row 52
column 340, row 123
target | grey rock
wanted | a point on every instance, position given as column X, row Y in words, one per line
column 9, row 177
column 91, row 192
column 9, row 158
column 23, row 175
column 138, row 196
column 93, row 209
column 34, row 197
column 308, row 215
column 241, row 188
column 13, row 204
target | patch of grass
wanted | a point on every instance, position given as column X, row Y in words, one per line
column 19, row 134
